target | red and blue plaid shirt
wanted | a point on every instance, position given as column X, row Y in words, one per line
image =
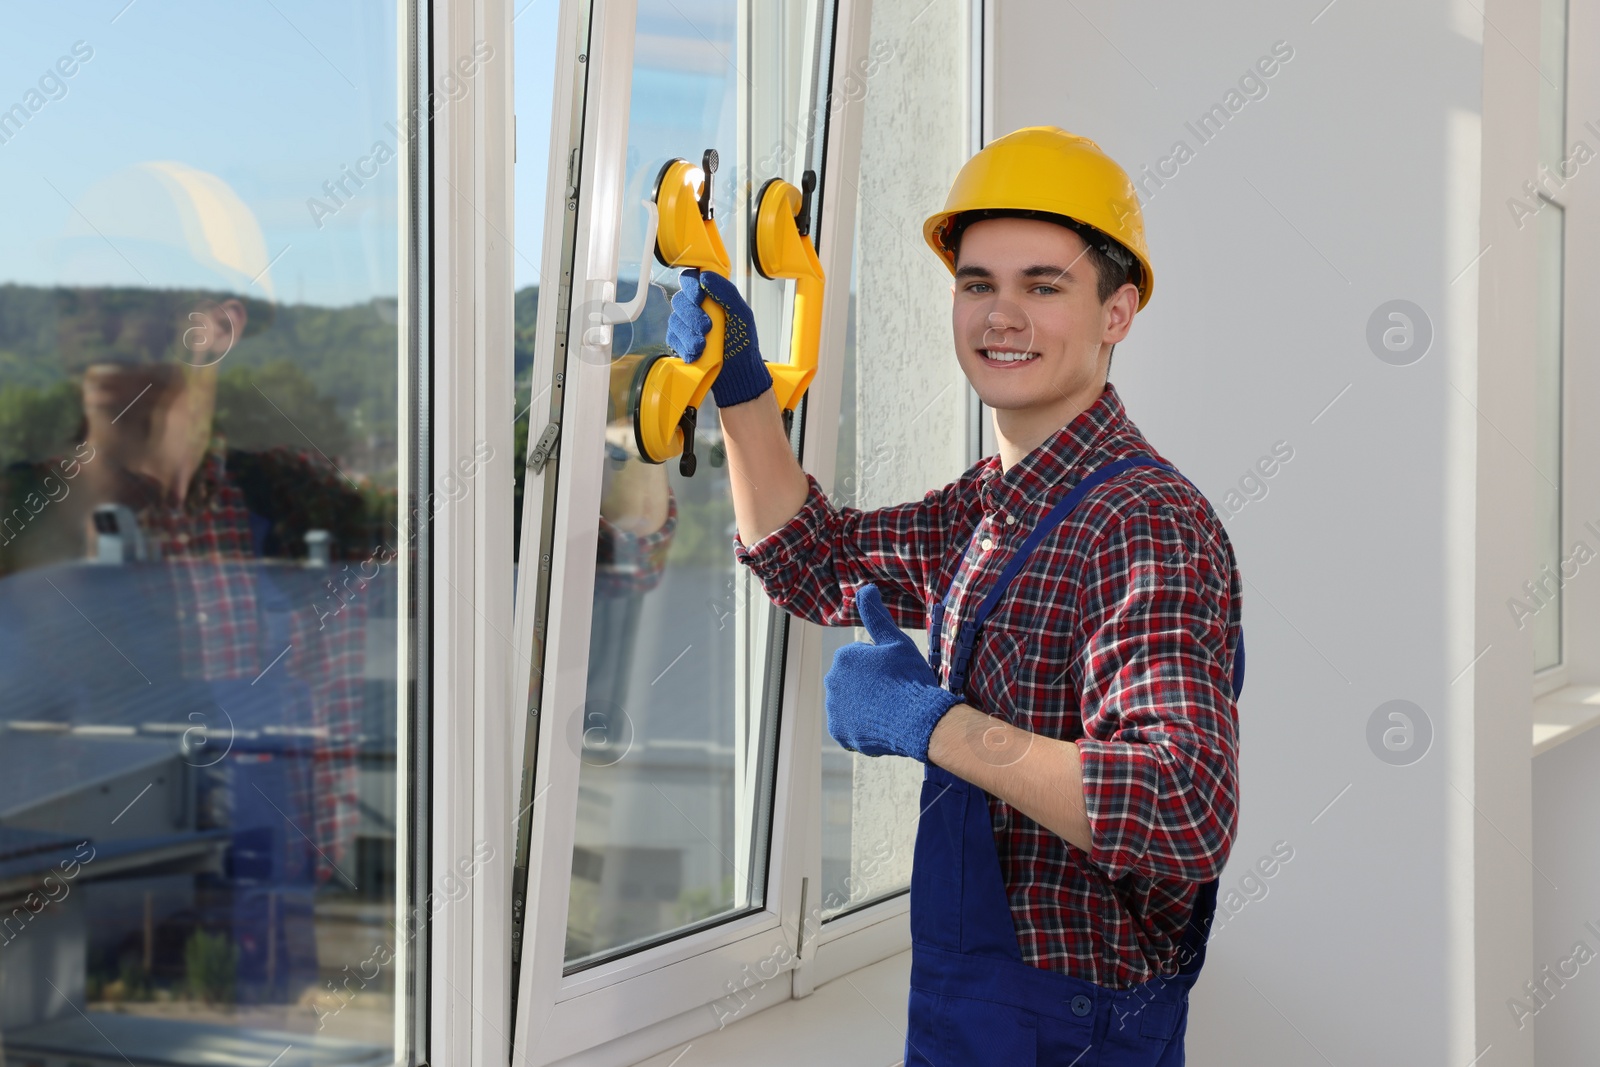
column 207, row 544
column 1117, row 635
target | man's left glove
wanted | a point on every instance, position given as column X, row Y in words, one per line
column 883, row 698
column 744, row 375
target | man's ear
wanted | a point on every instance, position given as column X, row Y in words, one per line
column 1120, row 309
column 234, row 308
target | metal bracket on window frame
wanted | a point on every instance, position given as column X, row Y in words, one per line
column 544, row 447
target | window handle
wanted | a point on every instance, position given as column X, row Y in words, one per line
column 602, row 291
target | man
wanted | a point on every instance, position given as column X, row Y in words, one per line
column 1083, row 601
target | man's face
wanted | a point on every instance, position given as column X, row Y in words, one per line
column 1028, row 322
column 144, row 378
column 112, row 390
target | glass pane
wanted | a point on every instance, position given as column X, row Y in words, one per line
column 1546, row 621
column 200, row 567
column 913, row 143
column 679, row 732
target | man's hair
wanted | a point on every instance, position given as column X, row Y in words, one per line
column 1114, row 265
column 136, row 325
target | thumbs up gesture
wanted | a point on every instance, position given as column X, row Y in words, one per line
column 882, row 697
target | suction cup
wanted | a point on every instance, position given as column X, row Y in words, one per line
column 636, row 404
column 758, row 222
column 655, row 195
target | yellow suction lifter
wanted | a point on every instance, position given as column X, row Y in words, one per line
column 667, row 392
column 781, row 247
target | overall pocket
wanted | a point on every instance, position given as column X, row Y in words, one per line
column 936, row 864
column 963, row 1032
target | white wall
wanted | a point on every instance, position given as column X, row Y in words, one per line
column 1566, row 796
column 1404, row 919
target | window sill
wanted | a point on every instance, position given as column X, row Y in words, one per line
column 1560, row 716
column 856, row 1020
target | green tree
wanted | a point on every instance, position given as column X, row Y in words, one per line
column 278, row 404
column 36, row 424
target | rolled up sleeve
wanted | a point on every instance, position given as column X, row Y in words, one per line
column 1158, row 605
column 812, row 566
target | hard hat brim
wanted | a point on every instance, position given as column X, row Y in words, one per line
column 935, row 229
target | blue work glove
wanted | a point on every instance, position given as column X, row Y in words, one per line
column 744, row 373
column 883, row 698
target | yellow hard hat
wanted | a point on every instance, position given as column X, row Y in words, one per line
column 1048, row 170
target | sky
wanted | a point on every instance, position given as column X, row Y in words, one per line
column 682, row 102
column 534, row 31
column 184, row 150
column 193, row 144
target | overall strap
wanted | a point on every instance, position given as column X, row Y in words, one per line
column 967, row 632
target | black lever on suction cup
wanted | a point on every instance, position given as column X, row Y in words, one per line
column 686, row 461
column 708, row 163
column 802, row 221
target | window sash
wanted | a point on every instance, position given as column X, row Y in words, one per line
column 558, row 1015
column 562, row 1014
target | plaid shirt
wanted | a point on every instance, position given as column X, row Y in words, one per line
column 1118, row 635
column 207, row 543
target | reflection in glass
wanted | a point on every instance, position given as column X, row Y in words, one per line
column 199, row 543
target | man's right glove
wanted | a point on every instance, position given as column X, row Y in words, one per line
column 744, row 373
column 882, row 697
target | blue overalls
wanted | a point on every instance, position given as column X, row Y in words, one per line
column 974, row 1001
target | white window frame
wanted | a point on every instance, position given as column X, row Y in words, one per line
column 1563, row 708
column 471, row 139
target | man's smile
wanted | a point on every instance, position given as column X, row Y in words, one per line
column 1006, row 357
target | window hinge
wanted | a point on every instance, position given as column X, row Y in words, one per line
column 543, row 447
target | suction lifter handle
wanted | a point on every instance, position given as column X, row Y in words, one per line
column 669, row 391
column 781, row 247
